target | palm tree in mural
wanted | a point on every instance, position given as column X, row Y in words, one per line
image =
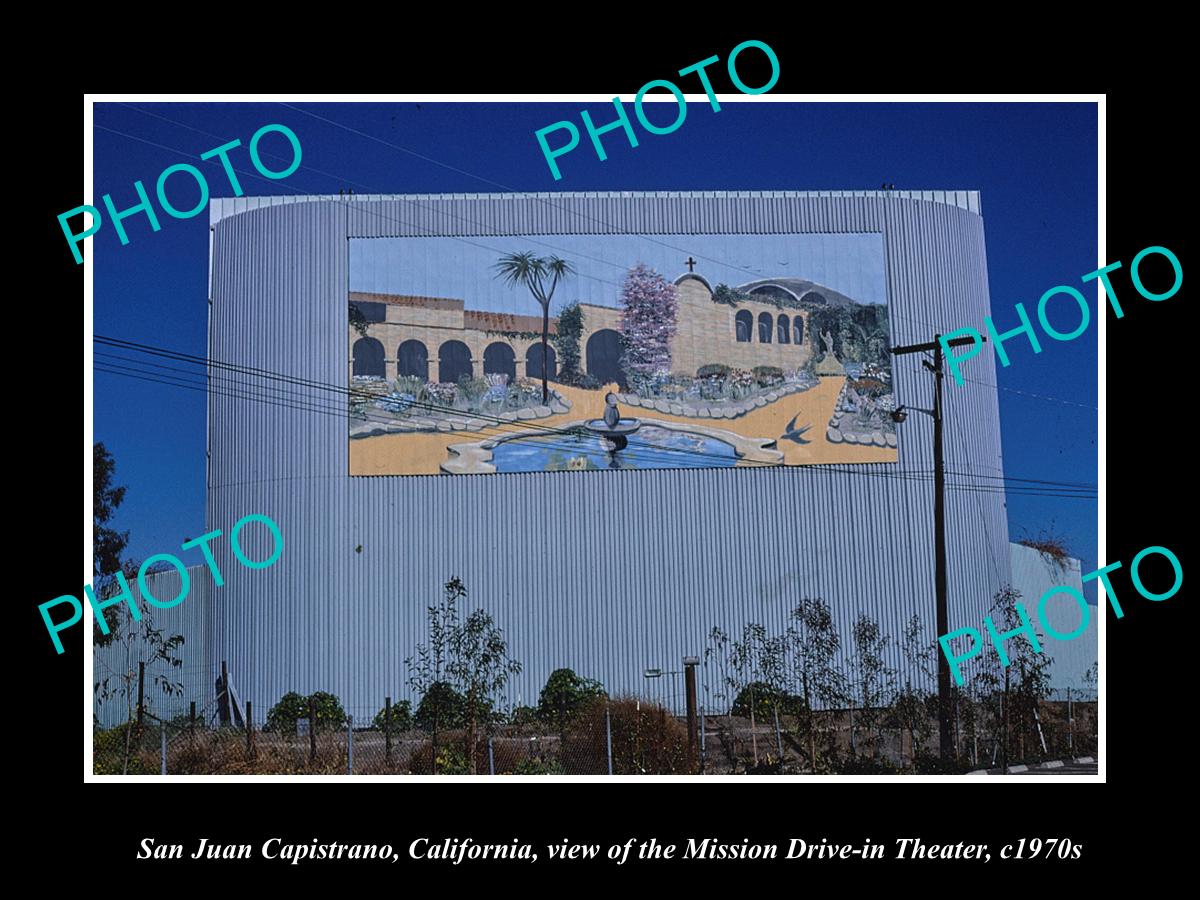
column 533, row 272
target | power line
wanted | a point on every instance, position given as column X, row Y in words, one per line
column 503, row 426
column 363, row 210
column 551, row 203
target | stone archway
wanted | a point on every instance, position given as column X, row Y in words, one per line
column 454, row 362
column 604, row 357
column 412, row 359
column 499, row 359
column 368, row 358
column 533, row 362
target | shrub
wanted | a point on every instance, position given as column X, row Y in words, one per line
column 728, row 296
column 533, row 765
column 870, row 387
column 864, row 765
column 522, row 716
column 525, row 392
column 713, row 370
column 283, row 715
column 330, row 715
column 108, row 751
column 438, row 394
column 579, row 379
column 401, row 717
column 408, row 384
column 564, row 695
column 570, row 330
column 451, row 760
column 472, row 389
column 933, row 764
column 646, row 739
column 442, row 699
column 767, row 375
column 358, row 321
column 292, row 706
column 765, row 699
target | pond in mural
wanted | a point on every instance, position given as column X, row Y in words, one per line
column 648, row 448
column 741, row 349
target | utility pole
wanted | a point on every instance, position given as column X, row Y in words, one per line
column 689, row 676
column 945, row 733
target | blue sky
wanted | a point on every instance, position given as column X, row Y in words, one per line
column 1034, row 164
column 449, row 267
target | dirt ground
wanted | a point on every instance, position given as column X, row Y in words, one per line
column 423, row 453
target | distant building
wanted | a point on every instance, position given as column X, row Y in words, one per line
column 439, row 339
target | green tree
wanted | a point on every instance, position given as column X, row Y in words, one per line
column 401, row 717
column 566, row 341
column 755, row 658
column 135, row 632
column 1014, row 693
column 441, row 707
column 108, row 544
column 533, row 272
column 427, row 666
column 283, row 716
column 481, row 667
column 914, row 705
column 815, row 644
column 564, row 696
column 876, row 680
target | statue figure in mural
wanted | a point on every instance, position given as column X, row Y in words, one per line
column 612, row 414
column 829, row 364
column 827, row 340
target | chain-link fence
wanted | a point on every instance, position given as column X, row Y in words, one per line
column 157, row 731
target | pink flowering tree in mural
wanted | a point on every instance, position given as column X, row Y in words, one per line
column 649, row 306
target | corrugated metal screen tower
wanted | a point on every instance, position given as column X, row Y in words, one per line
column 607, row 573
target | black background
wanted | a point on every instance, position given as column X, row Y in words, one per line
column 98, row 826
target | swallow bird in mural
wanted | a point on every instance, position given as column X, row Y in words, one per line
column 792, row 433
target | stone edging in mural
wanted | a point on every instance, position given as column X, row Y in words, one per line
column 476, row 458
column 713, row 409
column 447, row 422
column 835, row 434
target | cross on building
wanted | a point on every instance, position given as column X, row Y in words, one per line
column 691, row 264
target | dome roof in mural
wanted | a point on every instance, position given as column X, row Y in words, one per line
column 797, row 289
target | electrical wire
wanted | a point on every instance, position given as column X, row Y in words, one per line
column 501, row 426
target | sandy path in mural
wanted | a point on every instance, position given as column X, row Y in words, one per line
column 423, row 454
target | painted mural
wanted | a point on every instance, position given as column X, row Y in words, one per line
column 593, row 352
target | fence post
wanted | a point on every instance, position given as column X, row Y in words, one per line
column 387, row 730
column 249, row 731
column 703, row 758
column 312, row 730
column 162, row 730
column 853, row 751
column 350, row 745
column 491, row 758
column 957, row 737
column 223, row 697
column 141, row 684
column 608, row 736
column 778, row 736
column 1070, row 724
column 192, row 721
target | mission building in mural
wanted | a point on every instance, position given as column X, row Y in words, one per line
column 682, row 372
